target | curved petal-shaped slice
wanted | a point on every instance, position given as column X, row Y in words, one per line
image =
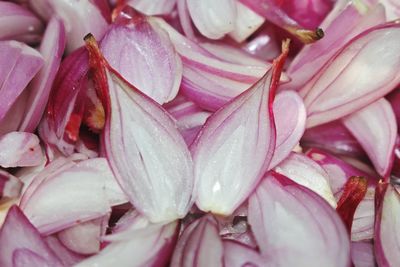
column 213, row 19
column 360, row 73
column 235, row 146
column 295, row 227
column 149, row 60
column 375, row 128
column 18, row 233
column 82, row 192
column 308, row 173
column 52, row 49
column 146, row 152
column 290, row 121
column 387, row 228
column 19, row 149
column 199, row 245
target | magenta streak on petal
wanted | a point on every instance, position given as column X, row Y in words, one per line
column 52, row 49
column 288, row 219
column 375, row 128
column 18, row 233
column 18, row 23
column 18, row 65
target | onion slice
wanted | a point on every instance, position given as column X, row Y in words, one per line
column 307, row 173
column 145, row 150
column 21, row 243
column 355, row 66
column 236, row 141
column 288, row 219
column 290, row 121
column 52, row 49
column 150, row 62
column 19, row 149
column 199, row 245
column 10, row 186
column 387, row 226
column 375, row 128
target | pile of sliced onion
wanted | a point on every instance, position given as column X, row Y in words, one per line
column 199, row 133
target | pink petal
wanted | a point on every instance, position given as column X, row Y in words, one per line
column 237, row 141
column 290, row 120
column 150, row 62
column 145, row 150
column 355, row 66
column 52, row 49
column 375, row 128
column 199, row 245
column 19, row 149
column 19, row 234
column 295, row 227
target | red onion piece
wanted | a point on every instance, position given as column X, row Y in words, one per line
column 394, row 99
column 307, row 173
column 288, row 219
column 189, row 117
column 327, row 96
column 155, row 7
column 64, row 112
column 387, row 227
column 150, row 62
column 52, row 49
column 18, row 23
column 290, row 120
column 83, row 238
column 150, row 245
column 340, row 26
column 10, row 186
column 199, row 245
column 246, row 23
column 210, row 81
column 213, row 19
column 239, row 255
column 362, row 254
column 333, row 137
column 18, row 65
column 153, row 165
column 67, row 257
column 19, row 149
column 353, row 193
column 79, row 193
column 18, row 234
column 79, row 17
column 24, row 258
column 238, row 140
column 339, row 172
column 392, row 8
column 375, row 128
